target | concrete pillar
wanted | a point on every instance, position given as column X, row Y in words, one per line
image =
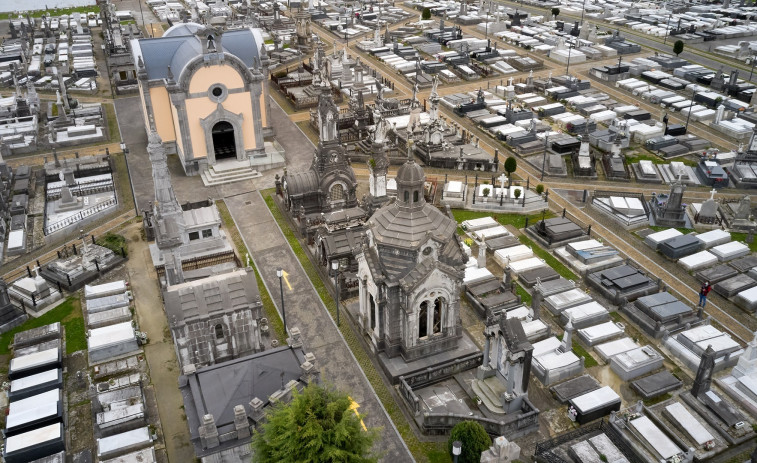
column 241, row 426
column 295, row 339
column 209, row 433
column 256, row 410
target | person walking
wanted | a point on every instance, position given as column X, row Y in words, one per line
column 706, row 288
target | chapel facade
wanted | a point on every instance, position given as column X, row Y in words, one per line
column 203, row 92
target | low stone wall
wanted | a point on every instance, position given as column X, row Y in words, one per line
column 510, row 426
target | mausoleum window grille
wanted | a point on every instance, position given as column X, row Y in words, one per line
column 219, row 331
column 207, row 233
column 415, row 196
column 337, row 192
column 194, row 236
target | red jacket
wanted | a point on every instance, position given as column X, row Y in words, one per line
column 705, row 290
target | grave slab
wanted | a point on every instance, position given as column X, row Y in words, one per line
column 714, row 238
column 732, row 286
column 700, row 260
column 574, row 388
column 656, row 385
column 730, row 251
column 716, row 274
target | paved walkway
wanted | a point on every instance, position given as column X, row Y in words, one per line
column 304, row 310
column 159, row 352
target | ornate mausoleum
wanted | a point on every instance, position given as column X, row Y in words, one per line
column 411, row 271
column 203, row 91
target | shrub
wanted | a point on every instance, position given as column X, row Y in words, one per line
column 678, row 47
column 555, row 12
column 486, row 192
column 539, row 188
column 516, row 193
column 426, row 13
column 474, row 438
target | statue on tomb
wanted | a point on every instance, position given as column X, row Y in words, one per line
column 744, row 209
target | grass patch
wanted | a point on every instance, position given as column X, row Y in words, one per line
column 422, row 451
column 274, row 320
column 516, row 220
column 114, row 242
column 658, row 399
column 525, row 296
column 549, row 259
column 581, row 352
column 110, row 113
column 70, row 316
column 742, row 237
column 54, row 109
column 308, row 130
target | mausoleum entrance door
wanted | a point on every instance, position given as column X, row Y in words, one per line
column 224, row 143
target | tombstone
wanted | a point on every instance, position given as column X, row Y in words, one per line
column 704, row 373
column 67, row 201
column 708, row 213
column 744, row 209
column 482, row 256
column 502, row 451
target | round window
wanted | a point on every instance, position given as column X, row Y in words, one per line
column 427, row 251
column 217, row 92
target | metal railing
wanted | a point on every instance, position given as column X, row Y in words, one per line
column 81, row 215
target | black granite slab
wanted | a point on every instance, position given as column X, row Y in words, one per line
column 574, row 388
column 501, row 242
column 479, row 288
column 529, row 277
column 680, row 246
column 717, row 274
column 656, row 385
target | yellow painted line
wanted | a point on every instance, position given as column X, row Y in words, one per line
column 286, row 280
column 354, row 406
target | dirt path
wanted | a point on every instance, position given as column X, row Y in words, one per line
column 159, row 352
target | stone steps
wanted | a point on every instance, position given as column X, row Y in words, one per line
column 489, row 397
column 228, row 172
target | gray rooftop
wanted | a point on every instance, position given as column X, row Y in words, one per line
column 218, row 293
column 180, row 45
column 217, row 389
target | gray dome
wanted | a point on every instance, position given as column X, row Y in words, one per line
column 410, row 173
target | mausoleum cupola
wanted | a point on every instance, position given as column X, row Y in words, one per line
column 410, row 180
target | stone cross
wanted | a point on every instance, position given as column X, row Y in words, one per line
column 712, row 193
column 36, row 271
column 502, row 179
column 83, row 236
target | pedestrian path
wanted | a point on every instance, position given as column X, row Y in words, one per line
column 270, row 251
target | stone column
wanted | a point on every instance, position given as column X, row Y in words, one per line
column 256, row 410
column 257, row 118
column 241, row 426
column 209, row 433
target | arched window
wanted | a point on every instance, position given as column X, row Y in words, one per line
column 436, row 326
column 423, row 320
column 407, row 196
column 219, row 331
column 337, row 192
column 372, row 308
column 415, row 196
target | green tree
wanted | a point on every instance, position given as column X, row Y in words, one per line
column 426, row 13
column 486, row 192
column 555, row 12
column 678, row 47
column 511, row 165
column 473, row 438
column 539, row 189
column 318, row 425
column 516, row 193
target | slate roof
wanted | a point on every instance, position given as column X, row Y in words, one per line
column 300, row 183
column 406, row 228
column 219, row 388
column 180, row 46
column 217, row 293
